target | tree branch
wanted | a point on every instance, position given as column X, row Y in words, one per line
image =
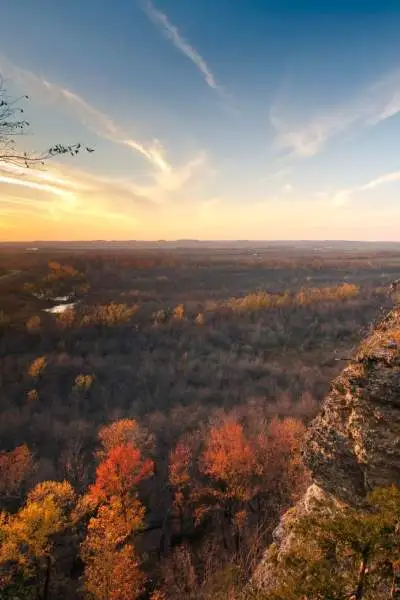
column 11, row 125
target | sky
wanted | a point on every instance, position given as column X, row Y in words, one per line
column 210, row 119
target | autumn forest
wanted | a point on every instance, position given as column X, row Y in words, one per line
column 153, row 404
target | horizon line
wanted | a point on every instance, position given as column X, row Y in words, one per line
column 200, row 241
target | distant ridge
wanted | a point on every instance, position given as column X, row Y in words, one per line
column 317, row 245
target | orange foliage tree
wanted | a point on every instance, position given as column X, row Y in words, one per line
column 27, row 539
column 229, row 459
column 118, row 476
column 109, row 314
column 15, row 468
column 239, row 478
column 37, row 367
column 117, row 433
column 124, row 431
column 229, row 464
column 282, row 469
column 112, row 568
column 180, row 478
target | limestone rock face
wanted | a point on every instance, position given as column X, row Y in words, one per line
column 353, row 445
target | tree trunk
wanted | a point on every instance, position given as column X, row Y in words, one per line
column 395, row 589
column 362, row 575
column 237, row 540
column 165, row 538
column 38, row 582
column 47, row 579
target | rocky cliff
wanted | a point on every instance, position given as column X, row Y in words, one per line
column 353, row 445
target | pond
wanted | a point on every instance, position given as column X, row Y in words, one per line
column 59, row 308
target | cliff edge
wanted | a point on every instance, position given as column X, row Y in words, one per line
column 353, row 445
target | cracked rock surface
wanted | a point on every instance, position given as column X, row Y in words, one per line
column 353, row 445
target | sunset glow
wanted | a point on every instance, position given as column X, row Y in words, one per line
column 189, row 143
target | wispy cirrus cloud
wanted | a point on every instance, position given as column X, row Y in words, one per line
column 172, row 33
column 95, row 120
column 66, row 203
column 86, row 202
column 378, row 102
column 62, row 192
column 35, row 185
column 165, row 177
column 106, row 127
column 343, row 196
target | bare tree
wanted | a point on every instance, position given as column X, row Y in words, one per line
column 13, row 124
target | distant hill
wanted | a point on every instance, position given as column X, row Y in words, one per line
column 316, row 245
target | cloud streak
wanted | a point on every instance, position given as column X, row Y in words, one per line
column 343, row 196
column 95, row 120
column 34, row 185
column 106, row 127
column 165, row 178
column 172, row 33
column 87, row 202
column 67, row 193
column 66, row 203
column 378, row 102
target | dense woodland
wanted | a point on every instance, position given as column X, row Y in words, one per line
column 150, row 434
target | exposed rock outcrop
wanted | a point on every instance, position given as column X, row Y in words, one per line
column 353, row 445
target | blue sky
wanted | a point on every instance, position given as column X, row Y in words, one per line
column 211, row 119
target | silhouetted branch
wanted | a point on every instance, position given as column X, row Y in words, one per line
column 12, row 125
